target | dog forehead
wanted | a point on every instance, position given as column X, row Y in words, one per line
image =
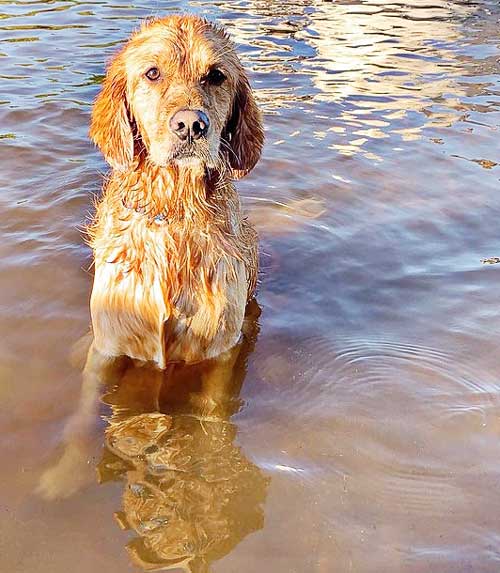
column 187, row 47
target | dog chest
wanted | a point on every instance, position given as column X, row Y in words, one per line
column 167, row 306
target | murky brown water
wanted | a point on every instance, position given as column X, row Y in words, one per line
column 362, row 432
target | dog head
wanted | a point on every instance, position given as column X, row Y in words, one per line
column 178, row 92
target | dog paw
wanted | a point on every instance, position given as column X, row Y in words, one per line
column 71, row 474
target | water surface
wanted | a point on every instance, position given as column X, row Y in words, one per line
column 361, row 431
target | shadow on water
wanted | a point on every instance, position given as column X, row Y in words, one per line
column 190, row 494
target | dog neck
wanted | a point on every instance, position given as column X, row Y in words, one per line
column 170, row 193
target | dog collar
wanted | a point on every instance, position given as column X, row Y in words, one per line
column 158, row 218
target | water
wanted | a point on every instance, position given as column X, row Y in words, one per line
column 362, row 430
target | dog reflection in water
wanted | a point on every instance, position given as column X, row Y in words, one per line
column 190, row 494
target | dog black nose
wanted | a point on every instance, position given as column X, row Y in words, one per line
column 189, row 124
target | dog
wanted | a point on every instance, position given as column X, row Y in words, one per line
column 175, row 260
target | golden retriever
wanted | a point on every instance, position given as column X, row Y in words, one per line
column 175, row 260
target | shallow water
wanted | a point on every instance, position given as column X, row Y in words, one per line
column 362, row 431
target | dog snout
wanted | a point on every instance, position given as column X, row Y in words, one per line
column 189, row 124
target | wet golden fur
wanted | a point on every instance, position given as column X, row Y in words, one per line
column 175, row 260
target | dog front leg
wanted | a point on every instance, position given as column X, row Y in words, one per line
column 75, row 469
column 218, row 386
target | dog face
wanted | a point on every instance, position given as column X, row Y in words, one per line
column 178, row 92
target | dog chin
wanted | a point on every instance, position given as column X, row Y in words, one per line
column 193, row 163
column 184, row 161
column 188, row 161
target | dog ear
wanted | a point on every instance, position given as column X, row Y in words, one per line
column 110, row 127
column 244, row 132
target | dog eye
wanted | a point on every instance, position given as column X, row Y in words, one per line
column 214, row 77
column 153, row 74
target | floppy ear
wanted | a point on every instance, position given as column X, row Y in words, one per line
column 244, row 131
column 110, row 127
